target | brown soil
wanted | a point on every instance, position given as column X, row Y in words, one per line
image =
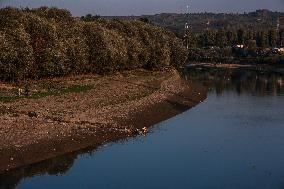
column 36, row 128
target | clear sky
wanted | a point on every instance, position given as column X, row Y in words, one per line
column 138, row 7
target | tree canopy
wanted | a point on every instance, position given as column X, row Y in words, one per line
column 46, row 42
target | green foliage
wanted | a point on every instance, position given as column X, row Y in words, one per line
column 46, row 42
column 200, row 22
column 145, row 19
column 52, row 13
column 90, row 18
column 208, row 29
column 11, row 18
column 222, row 38
column 216, row 54
column 107, row 49
column 16, row 57
column 240, row 36
column 217, row 37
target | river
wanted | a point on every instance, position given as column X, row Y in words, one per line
column 232, row 140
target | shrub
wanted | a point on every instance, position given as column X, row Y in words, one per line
column 52, row 13
column 16, row 56
column 107, row 48
column 49, row 51
column 48, row 42
column 11, row 18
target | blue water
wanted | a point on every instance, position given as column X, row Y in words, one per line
column 232, row 140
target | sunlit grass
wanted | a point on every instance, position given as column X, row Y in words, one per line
column 56, row 90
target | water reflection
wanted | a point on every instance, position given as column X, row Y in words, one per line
column 53, row 167
column 242, row 80
column 59, row 165
column 251, row 84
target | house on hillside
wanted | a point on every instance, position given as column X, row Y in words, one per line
column 279, row 50
column 240, row 50
column 239, row 46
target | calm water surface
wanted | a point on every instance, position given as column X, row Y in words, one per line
column 233, row 140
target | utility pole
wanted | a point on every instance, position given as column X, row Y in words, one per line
column 207, row 24
column 278, row 25
column 187, row 28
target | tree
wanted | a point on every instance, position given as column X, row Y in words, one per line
column 221, row 39
column 192, row 40
column 252, row 46
column 90, row 18
column 262, row 39
column 208, row 38
column 145, row 20
column 281, row 38
column 231, row 37
column 241, row 36
column 272, row 38
column 46, row 42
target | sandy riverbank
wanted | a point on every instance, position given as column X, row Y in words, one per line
column 40, row 127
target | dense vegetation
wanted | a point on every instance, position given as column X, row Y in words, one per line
column 260, row 20
column 212, row 37
column 251, row 38
column 46, row 42
column 226, row 45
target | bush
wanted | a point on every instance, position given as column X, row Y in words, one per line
column 49, row 50
column 48, row 42
column 11, row 18
column 52, row 13
column 77, row 50
column 16, row 56
column 107, row 49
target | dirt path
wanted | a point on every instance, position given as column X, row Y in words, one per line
column 64, row 115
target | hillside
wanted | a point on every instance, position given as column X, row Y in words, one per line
column 258, row 20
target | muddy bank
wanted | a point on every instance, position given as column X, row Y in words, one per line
column 101, row 109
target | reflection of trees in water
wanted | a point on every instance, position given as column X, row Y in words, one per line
column 239, row 80
column 55, row 166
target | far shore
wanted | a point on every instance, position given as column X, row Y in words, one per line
column 220, row 65
column 276, row 68
column 65, row 115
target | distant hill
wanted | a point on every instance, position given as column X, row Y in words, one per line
column 258, row 20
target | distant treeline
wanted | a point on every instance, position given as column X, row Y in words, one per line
column 250, row 38
column 242, row 46
column 212, row 37
column 264, row 27
column 235, row 55
column 260, row 20
column 46, row 42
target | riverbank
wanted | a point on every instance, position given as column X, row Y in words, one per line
column 277, row 68
column 219, row 65
column 68, row 114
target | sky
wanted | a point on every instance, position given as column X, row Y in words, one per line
column 142, row 7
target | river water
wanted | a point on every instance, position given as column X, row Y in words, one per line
column 233, row 140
